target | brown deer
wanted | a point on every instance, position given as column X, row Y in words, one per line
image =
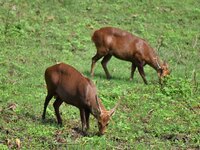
column 68, row 85
column 111, row 41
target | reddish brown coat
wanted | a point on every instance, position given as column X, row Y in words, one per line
column 111, row 41
column 68, row 85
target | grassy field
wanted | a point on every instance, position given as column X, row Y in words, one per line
column 37, row 34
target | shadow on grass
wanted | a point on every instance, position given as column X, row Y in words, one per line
column 103, row 76
column 76, row 131
column 136, row 78
column 39, row 120
column 85, row 134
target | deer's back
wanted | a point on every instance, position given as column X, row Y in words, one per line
column 69, row 84
column 121, row 44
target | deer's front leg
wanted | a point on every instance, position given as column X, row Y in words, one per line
column 83, row 120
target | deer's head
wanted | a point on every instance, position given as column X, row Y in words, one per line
column 164, row 70
column 103, row 116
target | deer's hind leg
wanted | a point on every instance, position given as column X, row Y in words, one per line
column 104, row 65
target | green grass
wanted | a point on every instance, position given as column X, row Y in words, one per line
column 37, row 34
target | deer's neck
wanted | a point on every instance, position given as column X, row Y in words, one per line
column 155, row 62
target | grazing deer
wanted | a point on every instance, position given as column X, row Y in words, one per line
column 68, row 85
column 111, row 41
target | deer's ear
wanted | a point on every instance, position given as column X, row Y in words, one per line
column 111, row 112
column 165, row 64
